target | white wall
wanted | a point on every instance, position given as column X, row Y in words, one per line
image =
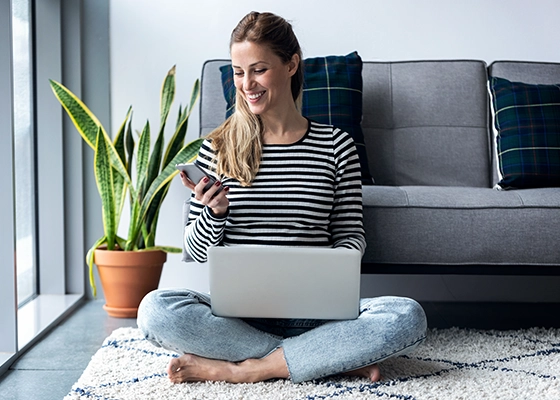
column 148, row 37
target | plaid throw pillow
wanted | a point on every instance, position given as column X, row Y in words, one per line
column 527, row 129
column 332, row 94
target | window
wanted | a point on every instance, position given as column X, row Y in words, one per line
column 23, row 140
column 8, row 341
column 42, row 194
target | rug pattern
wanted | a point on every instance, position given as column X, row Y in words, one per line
column 451, row 364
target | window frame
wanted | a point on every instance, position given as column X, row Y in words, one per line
column 8, row 294
column 70, row 45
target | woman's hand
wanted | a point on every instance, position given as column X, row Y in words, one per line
column 218, row 202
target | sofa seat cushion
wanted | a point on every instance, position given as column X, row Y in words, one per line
column 461, row 225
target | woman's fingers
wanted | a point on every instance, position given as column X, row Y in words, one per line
column 186, row 181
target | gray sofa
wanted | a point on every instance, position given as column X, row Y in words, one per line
column 433, row 209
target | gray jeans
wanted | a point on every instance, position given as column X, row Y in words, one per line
column 182, row 321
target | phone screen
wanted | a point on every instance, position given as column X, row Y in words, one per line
column 195, row 174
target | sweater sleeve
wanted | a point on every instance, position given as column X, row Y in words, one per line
column 203, row 229
column 347, row 216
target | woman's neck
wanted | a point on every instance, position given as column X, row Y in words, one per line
column 286, row 129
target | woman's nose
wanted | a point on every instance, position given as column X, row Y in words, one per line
column 248, row 82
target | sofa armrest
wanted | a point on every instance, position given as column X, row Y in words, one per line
column 186, row 207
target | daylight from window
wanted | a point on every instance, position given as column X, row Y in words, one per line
column 23, row 152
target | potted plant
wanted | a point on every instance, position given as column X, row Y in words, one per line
column 125, row 282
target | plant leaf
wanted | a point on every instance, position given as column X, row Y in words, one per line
column 179, row 117
column 120, row 138
column 176, row 142
column 152, row 215
column 167, row 96
column 119, row 184
column 129, row 146
column 89, row 261
column 85, row 121
column 135, row 221
column 120, row 242
column 167, row 249
column 104, row 179
column 188, row 152
column 142, row 159
column 154, row 164
column 195, row 94
column 178, row 139
column 87, row 125
column 166, row 100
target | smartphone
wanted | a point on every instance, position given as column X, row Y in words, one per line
column 195, row 174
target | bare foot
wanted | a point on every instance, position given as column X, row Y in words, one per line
column 191, row 368
column 370, row 371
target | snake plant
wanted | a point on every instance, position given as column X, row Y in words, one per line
column 113, row 168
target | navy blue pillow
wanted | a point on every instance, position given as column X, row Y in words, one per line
column 527, row 126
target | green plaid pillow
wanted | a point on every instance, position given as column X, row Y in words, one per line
column 527, row 127
column 332, row 94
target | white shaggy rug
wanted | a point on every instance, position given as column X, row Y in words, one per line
column 451, row 364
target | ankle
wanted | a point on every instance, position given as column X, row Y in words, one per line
column 248, row 371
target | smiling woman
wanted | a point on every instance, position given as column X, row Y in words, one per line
column 287, row 181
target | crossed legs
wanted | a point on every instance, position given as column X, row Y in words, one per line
column 229, row 349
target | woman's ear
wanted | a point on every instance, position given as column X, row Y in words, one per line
column 293, row 64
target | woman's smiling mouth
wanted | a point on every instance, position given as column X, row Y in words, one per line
column 255, row 96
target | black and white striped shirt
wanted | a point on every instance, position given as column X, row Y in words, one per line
column 307, row 193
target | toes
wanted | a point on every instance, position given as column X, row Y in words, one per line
column 173, row 370
column 375, row 375
column 173, row 366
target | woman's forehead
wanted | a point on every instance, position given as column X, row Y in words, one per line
column 247, row 54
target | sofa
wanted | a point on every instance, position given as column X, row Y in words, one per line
column 434, row 204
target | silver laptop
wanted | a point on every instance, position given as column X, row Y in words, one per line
column 284, row 282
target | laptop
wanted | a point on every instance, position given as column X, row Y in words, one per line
column 284, row 282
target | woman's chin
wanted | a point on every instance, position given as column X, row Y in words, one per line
column 256, row 110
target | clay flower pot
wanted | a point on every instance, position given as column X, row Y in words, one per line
column 126, row 277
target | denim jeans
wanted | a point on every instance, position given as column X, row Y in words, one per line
column 182, row 321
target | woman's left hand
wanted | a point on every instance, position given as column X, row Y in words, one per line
column 215, row 197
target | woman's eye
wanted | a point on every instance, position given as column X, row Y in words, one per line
column 260, row 71
column 238, row 73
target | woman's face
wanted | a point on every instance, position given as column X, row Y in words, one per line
column 262, row 78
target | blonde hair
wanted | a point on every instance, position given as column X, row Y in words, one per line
column 238, row 141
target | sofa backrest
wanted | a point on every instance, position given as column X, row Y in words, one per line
column 212, row 101
column 526, row 72
column 426, row 123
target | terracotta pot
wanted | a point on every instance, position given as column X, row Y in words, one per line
column 126, row 277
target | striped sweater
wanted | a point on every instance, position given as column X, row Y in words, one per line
column 305, row 194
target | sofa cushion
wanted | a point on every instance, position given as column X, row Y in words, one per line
column 426, row 122
column 428, row 225
column 332, row 94
column 526, row 121
column 543, row 73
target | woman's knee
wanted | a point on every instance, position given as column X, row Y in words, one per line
column 149, row 309
column 415, row 315
column 160, row 306
column 402, row 312
column 396, row 324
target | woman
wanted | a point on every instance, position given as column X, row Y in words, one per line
column 286, row 181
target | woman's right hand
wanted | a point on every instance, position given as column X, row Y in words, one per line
column 217, row 201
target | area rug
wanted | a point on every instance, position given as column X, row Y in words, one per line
column 450, row 364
